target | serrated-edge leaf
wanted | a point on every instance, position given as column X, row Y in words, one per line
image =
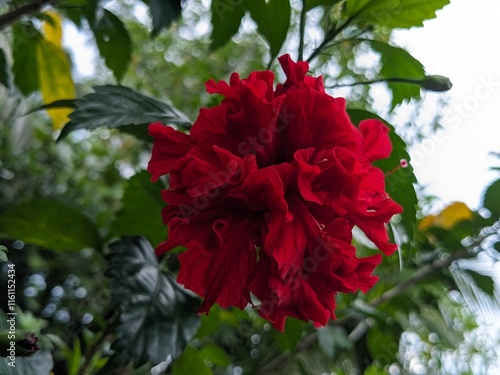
column 158, row 317
column 394, row 13
column 114, row 106
column 64, row 103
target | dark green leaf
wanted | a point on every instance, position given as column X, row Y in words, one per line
column 393, row 14
column 25, row 66
column 69, row 103
column 383, row 342
column 399, row 184
column 114, row 106
column 40, row 363
column 485, row 283
column 164, row 12
column 141, row 210
column 190, row 362
column 226, row 19
column 332, row 340
column 50, row 224
column 293, row 332
column 398, row 63
column 114, row 43
column 157, row 316
column 491, row 199
column 273, row 20
column 496, row 246
column 5, row 74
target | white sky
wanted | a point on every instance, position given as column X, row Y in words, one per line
column 463, row 44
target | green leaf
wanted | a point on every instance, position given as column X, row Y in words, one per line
column 226, row 20
column 332, row 340
column 434, row 321
column 114, row 106
column 215, row 355
column 383, row 342
column 190, row 362
column 293, row 332
column 113, row 42
column 5, row 74
column 40, row 363
column 393, row 13
column 3, row 254
column 483, row 282
column 26, row 39
column 374, row 370
column 399, row 184
column 164, row 12
column 50, row 224
column 273, row 20
column 158, row 317
column 491, row 199
column 141, row 210
column 398, row 63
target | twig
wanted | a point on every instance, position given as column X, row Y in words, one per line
column 302, row 28
column 329, row 36
column 410, row 81
column 15, row 14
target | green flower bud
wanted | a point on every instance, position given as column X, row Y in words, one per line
column 17, row 343
column 436, row 83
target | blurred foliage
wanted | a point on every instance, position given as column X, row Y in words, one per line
column 90, row 304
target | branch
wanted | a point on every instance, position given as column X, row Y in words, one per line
column 12, row 16
column 395, row 80
column 329, row 36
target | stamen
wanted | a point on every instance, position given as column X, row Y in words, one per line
column 403, row 163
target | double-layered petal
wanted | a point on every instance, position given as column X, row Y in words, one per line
column 264, row 193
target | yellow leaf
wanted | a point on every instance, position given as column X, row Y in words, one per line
column 448, row 217
column 52, row 30
column 54, row 70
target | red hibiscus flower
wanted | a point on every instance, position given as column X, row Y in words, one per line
column 264, row 193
